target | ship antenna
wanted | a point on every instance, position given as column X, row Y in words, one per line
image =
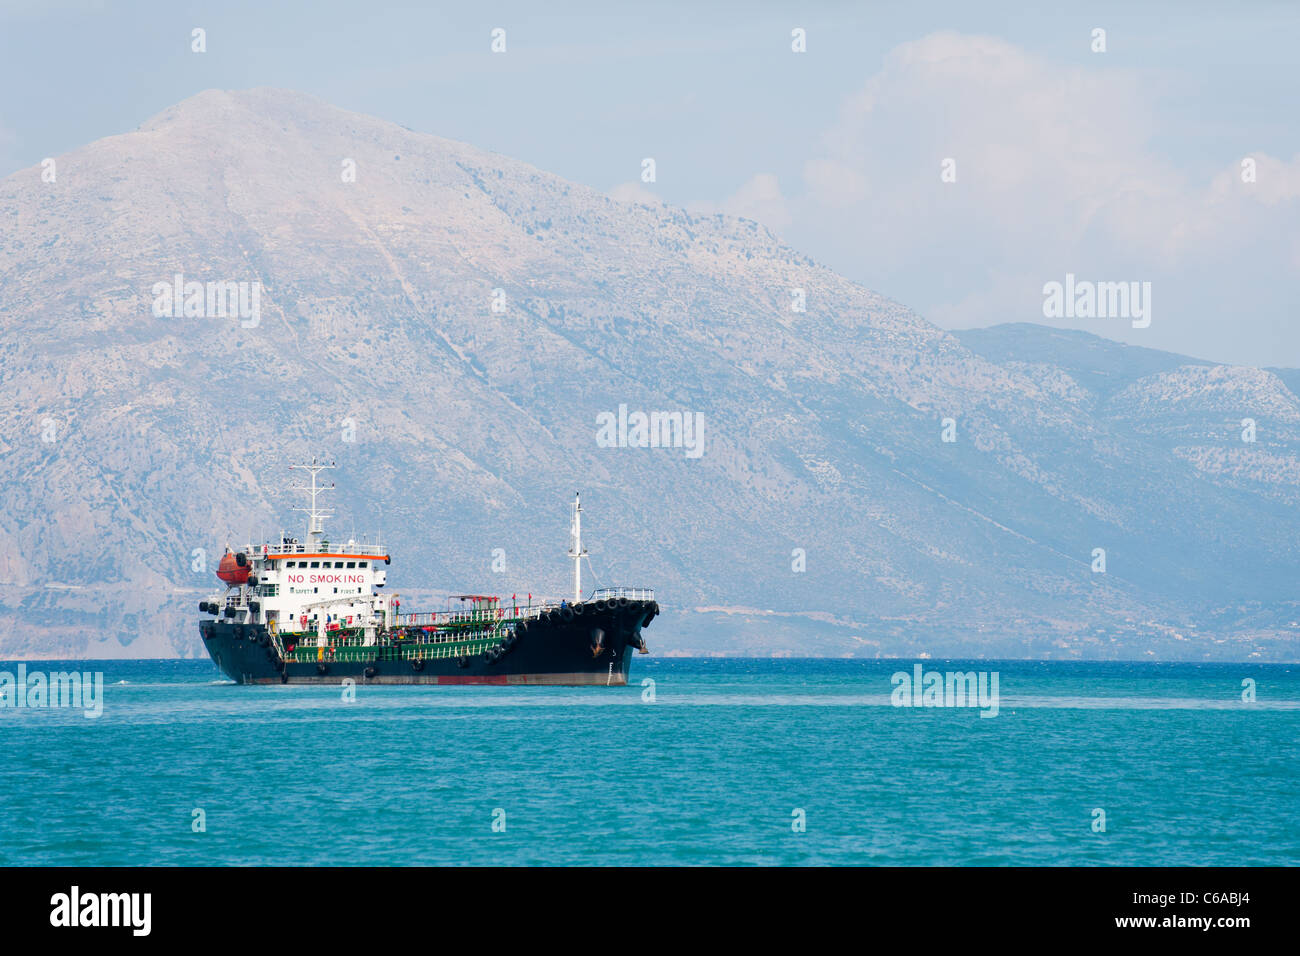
column 577, row 552
column 315, row 517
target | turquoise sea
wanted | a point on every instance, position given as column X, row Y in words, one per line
column 713, row 770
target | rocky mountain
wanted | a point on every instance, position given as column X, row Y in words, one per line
column 453, row 326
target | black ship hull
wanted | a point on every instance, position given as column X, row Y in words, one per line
column 589, row 647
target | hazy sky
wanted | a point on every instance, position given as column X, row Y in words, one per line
column 1122, row 166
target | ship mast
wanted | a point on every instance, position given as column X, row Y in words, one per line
column 577, row 552
column 315, row 517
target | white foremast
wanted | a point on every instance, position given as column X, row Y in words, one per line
column 577, row 552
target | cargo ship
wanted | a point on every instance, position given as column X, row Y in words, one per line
column 315, row 612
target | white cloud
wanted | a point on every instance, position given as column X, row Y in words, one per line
column 1057, row 169
column 1046, row 148
column 759, row 198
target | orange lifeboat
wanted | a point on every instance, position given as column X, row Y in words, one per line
column 233, row 569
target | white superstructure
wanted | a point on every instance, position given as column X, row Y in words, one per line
column 309, row 585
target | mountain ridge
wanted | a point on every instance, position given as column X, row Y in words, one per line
column 469, row 426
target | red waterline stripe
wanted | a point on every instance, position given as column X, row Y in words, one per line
column 466, row 679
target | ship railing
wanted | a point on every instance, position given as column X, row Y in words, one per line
column 481, row 616
column 326, row 547
column 275, row 640
column 509, row 612
column 632, row 594
column 464, row 618
column 536, row 609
